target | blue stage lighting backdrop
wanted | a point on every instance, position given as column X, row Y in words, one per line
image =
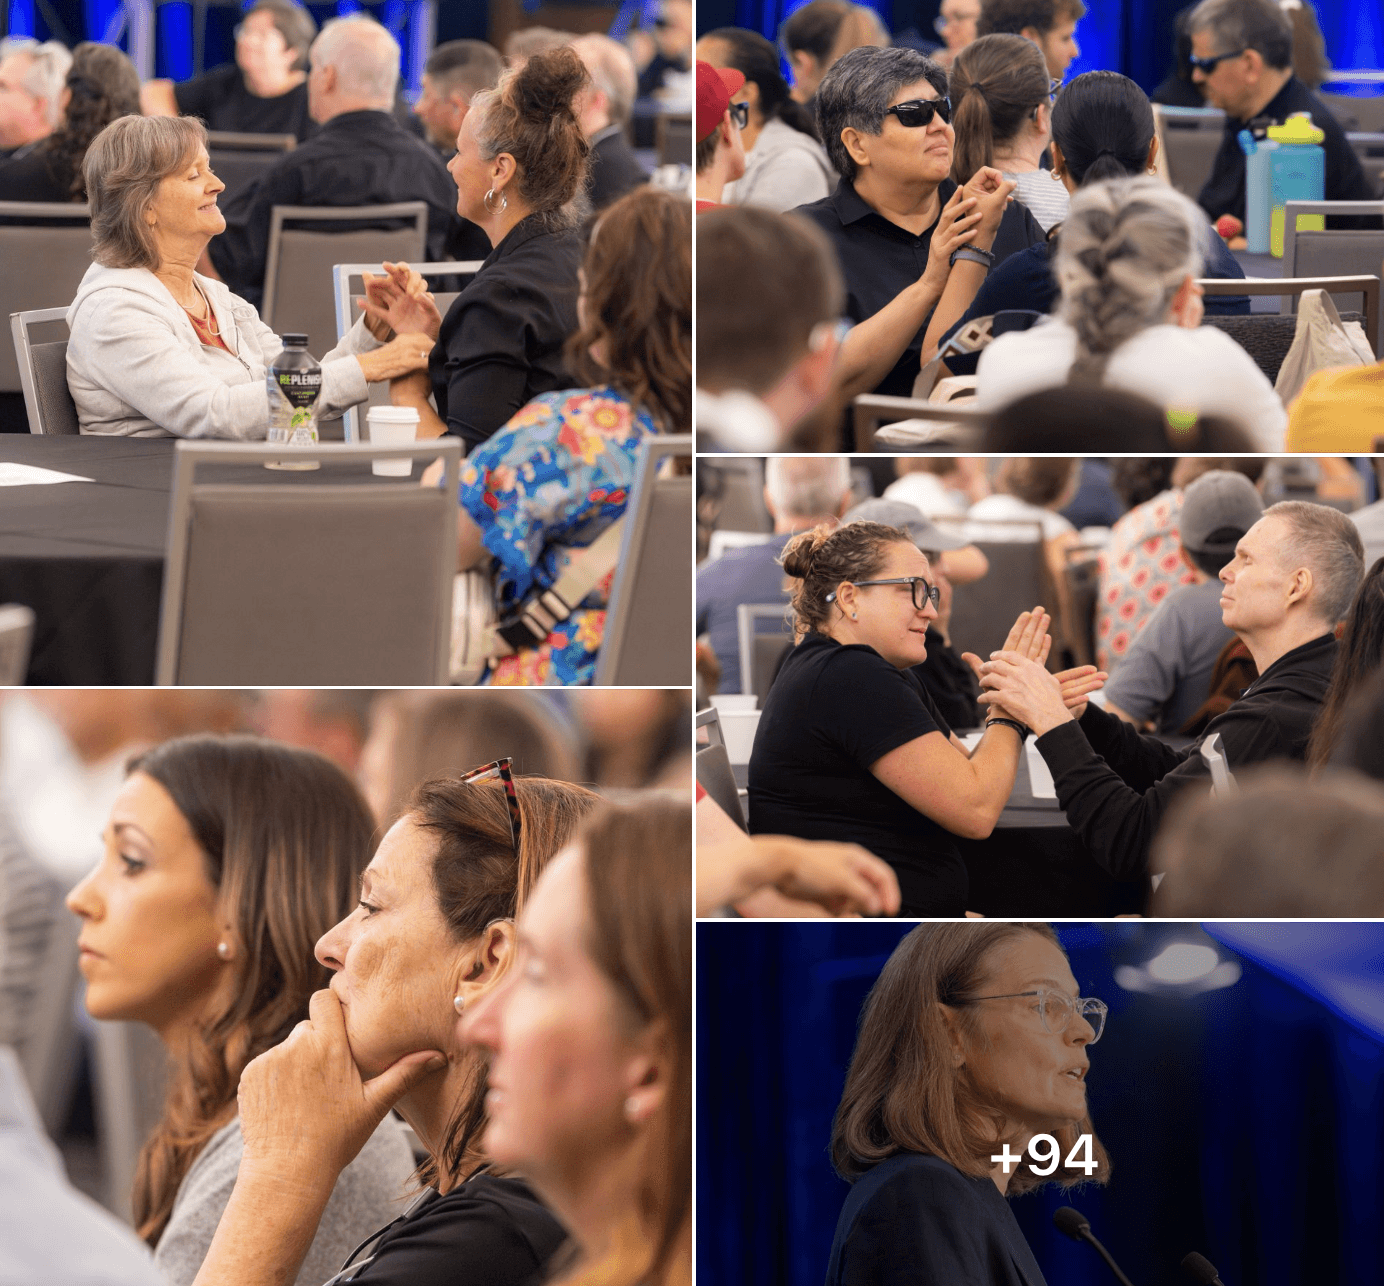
column 1245, row 1122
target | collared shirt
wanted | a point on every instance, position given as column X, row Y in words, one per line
column 1224, row 191
column 879, row 259
column 358, row 158
column 501, row 342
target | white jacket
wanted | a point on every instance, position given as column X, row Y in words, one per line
column 136, row 368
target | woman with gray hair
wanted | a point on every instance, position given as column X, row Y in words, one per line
column 1130, row 316
column 520, row 165
column 157, row 349
column 906, row 235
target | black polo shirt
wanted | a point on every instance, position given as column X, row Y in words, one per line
column 1224, row 191
column 224, row 101
column 879, row 259
column 502, row 339
column 357, row 158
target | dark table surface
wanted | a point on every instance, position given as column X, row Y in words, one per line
column 88, row 556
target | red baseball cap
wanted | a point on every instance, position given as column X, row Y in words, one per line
column 715, row 85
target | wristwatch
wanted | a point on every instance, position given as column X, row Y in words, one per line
column 973, row 254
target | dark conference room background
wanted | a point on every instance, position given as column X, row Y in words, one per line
column 1130, row 36
column 1244, row 1121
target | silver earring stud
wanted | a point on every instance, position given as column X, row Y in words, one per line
column 223, row 949
column 855, row 616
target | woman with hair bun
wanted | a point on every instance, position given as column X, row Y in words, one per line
column 850, row 746
column 520, row 166
column 1130, row 317
column 785, row 162
column 102, row 85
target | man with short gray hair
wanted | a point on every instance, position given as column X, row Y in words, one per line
column 32, row 77
column 361, row 156
column 1242, row 57
column 799, row 492
column 604, row 113
column 1289, row 583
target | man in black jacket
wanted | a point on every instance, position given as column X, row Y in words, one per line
column 361, row 156
column 605, row 116
column 1292, row 579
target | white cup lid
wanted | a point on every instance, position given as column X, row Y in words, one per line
column 392, row 415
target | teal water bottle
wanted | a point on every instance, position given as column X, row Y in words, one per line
column 1258, row 150
column 1299, row 174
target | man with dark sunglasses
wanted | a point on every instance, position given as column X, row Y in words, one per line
column 1242, row 57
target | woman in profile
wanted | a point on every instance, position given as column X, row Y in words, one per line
column 974, row 1044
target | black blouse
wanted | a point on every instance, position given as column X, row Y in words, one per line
column 501, row 342
column 832, row 712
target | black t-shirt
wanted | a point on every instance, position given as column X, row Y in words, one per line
column 487, row 1232
column 220, row 97
column 833, row 711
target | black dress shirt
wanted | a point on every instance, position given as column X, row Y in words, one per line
column 34, row 176
column 1224, row 191
column 222, row 99
column 879, row 259
column 358, row 158
column 615, row 169
column 501, row 342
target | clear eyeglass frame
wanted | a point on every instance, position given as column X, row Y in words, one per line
column 1057, row 1010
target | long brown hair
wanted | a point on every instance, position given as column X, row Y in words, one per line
column 638, row 866
column 285, row 836
column 997, row 83
column 104, row 86
column 479, row 879
column 1358, row 659
column 639, row 305
column 903, row 1092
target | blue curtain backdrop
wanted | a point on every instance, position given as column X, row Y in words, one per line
column 1130, row 36
column 1246, row 1123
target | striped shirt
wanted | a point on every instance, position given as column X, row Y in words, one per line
column 1046, row 197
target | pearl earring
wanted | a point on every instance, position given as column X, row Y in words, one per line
column 223, row 949
column 458, row 1004
column 631, row 1108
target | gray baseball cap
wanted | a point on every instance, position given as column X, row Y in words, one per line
column 895, row 513
column 1219, row 504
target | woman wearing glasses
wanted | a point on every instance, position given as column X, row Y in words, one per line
column 851, row 748
column 906, row 235
column 973, row 1045
column 433, row 933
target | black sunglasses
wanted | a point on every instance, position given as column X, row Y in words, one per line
column 1208, row 65
column 740, row 114
column 920, row 111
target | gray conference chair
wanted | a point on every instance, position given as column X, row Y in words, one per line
column 1335, row 252
column 734, row 485
column 48, row 1049
column 673, row 131
column 714, row 771
column 1365, row 114
column 765, row 633
column 128, row 1080
column 871, row 411
column 1190, row 137
column 43, row 266
column 238, row 160
column 347, row 286
column 317, row 584
column 43, row 370
column 984, row 610
column 16, row 637
column 298, row 266
column 1267, row 336
column 648, row 626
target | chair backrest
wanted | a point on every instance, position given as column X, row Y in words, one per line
column 721, row 541
column 710, row 719
column 871, row 410
column 648, row 625
column 298, row 266
column 765, row 633
column 347, row 287
column 717, row 778
column 43, row 266
column 1367, row 286
column 1213, row 753
column 1189, row 140
column 734, row 487
column 129, row 1074
column 49, row 1049
column 1083, row 588
column 223, row 140
column 16, row 638
column 43, row 371
column 984, row 610
column 674, row 138
column 1357, row 113
column 1334, row 252
column 271, row 583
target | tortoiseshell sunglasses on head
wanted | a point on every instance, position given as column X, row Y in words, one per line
column 500, row 770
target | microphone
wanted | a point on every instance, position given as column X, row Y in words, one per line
column 1076, row 1226
column 1201, row 1269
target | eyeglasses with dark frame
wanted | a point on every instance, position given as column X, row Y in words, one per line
column 931, row 593
column 1208, row 65
column 1057, row 1010
column 500, row 770
column 740, row 114
column 920, row 111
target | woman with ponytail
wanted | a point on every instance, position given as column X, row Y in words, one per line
column 785, row 163
column 1127, row 266
column 1102, row 128
column 226, row 858
column 851, row 747
column 520, row 167
column 102, row 84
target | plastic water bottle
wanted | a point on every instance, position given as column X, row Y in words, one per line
column 1299, row 174
column 1258, row 150
column 293, row 383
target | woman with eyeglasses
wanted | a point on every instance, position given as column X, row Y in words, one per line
column 907, row 236
column 850, row 747
column 432, row 933
column 974, row 1045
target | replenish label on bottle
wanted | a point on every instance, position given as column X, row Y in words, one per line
column 294, row 383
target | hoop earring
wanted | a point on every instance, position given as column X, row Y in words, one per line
column 489, row 197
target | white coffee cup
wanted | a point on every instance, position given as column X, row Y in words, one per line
column 392, row 426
